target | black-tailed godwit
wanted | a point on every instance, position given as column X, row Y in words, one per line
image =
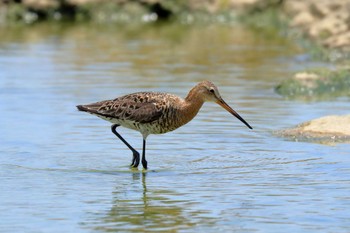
column 155, row 113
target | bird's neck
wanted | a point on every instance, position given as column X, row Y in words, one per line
column 193, row 102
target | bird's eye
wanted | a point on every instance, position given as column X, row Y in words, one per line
column 212, row 90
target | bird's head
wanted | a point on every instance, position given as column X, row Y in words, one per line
column 210, row 93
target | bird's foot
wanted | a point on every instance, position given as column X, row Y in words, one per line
column 144, row 164
column 135, row 159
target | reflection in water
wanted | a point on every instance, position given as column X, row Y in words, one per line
column 135, row 207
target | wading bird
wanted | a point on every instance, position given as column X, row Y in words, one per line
column 155, row 113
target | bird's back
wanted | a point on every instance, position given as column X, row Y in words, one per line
column 147, row 112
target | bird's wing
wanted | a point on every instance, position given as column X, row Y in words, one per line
column 143, row 112
column 126, row 110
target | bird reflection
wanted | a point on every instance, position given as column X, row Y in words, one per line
column 135, row 207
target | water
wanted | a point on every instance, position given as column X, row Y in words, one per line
column 64, row 171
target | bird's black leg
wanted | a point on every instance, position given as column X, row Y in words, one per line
column 144, row 162
column 136, row 156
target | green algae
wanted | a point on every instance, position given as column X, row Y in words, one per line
column 317, row 85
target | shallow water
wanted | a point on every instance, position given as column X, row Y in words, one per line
column 64, row 171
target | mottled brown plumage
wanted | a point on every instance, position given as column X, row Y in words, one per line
column 154, row 112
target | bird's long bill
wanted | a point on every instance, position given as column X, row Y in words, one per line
column 223, row 104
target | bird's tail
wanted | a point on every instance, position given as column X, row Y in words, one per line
column 82, row 108
column 90, row 108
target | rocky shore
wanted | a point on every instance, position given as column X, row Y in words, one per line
column 327, row 24
column 324, row 21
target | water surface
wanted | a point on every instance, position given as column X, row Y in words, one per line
column 64, row 171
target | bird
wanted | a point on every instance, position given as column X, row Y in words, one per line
column 155, row 112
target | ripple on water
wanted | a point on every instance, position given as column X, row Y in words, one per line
column 64, row 171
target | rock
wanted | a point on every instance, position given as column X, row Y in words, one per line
column 81, row 2
column 322, row 20
column 308, row 80
column 328, row 129
column 303, row 19
column 244, row 3
column 339, row 41
column 316, row 85
column 295, row 7
column 324, row 8
column 328, row 26
column 41, row 4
